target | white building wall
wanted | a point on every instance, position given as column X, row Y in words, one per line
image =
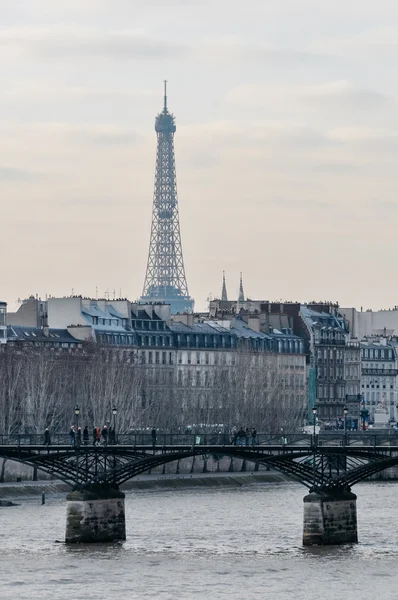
column 379, row 380
column 371, row 323
column 63, row 312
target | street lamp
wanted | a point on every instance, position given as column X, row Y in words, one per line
column 77, row 413
column 314, row 412
column 114, row 412
column 345, row 411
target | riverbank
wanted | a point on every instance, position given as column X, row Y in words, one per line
column 147, row 482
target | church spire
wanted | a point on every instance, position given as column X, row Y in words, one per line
column 224, row 296
column 241, row 294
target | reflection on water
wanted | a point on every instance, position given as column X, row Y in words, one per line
column 220, row 544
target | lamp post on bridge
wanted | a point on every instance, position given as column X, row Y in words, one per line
column 77, row 413
column 345, row 412
column 114, row 412
column 314, row 412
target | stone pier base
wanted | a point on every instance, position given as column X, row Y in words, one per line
column 330, row 519
column 95, row 515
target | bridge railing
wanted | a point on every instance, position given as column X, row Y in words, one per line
column 162, row 439
column 215, row 439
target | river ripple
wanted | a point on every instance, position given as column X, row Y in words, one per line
column 218, row 544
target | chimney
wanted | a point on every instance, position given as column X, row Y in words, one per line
column 254, row 323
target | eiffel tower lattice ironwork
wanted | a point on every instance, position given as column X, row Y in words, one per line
column 165, row 279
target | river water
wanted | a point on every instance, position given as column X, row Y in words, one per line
column 210, row 544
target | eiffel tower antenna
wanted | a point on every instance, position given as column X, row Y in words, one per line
column 165, row 97
column 165, row 279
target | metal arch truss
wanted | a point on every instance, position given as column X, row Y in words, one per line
column 320, row 469
column 165, row 273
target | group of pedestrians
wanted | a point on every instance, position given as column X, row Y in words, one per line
column 77, row 437
column 244, row 437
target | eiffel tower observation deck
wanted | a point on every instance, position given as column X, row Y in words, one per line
column 165, row 279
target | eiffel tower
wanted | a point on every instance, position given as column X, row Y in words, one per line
column 165, row 279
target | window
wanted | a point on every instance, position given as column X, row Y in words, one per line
column 180, row 358
column 164, row 361
column 198, row 358
column 150, row 358
column 198, row 378
column 179, row 379
column 170, row 358
column 189, row 358
column 157, row 357
column 207, row 358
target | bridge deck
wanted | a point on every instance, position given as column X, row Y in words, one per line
column 322, row 463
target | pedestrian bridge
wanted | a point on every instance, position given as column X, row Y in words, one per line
column 328, row 465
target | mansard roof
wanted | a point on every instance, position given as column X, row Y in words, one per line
column 321, row 319
column 36, row 334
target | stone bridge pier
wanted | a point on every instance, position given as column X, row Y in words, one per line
column 95, row 514
column 330, row 518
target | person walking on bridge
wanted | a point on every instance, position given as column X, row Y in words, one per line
column 153, row 434
column 47, row 438
column 72, row 436
column 104, row 434
column 85, row 436
column 247, row 436
column 97, row 436
column 254, row 436
column 111, row 435
column 241, row 437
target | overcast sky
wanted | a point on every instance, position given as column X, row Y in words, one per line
column 286, row 145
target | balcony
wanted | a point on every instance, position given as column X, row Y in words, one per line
column 329, row 342
column 352, row 398
column 380, row 372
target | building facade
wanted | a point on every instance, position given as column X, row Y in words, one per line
column 32, row 312
column 333, row 374
column 327, row 335
column 3, row 322
column 352, row 376
column 379, row 376
column 193, row 359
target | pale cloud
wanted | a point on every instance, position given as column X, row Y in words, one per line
column 12, row 174
column 78, row 42
column 302, row 98
column 29, row 90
